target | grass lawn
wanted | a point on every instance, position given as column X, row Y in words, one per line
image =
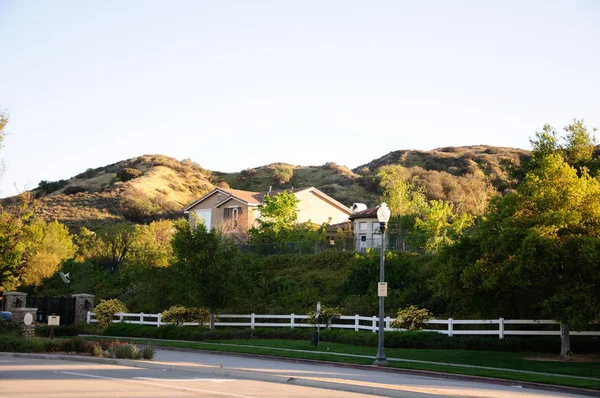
column 508, row 360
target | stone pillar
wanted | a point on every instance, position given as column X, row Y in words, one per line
column 83, row 304
column 14, row 300
column 25, row 319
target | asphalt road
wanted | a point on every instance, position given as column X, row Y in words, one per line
column 41, row 378
column 405, row 385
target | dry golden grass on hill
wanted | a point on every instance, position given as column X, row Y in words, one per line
column 151, row 187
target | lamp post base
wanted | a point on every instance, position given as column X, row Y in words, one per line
column 381, row 361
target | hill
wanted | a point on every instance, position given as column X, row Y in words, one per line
column 151, row 187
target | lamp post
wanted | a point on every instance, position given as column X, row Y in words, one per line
column 383, row 215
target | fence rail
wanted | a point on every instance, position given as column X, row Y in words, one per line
column 357, row 322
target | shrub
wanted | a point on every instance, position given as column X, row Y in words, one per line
column 89, row 173
column 411, row 318
column 106, row 309
column 283, row 174
column 178, row 315
column 72, row 190
column 126, row 351
column 148, row 352
column 248, row 172
column 47, row 187
column 128, row 174
column 327, row 315
column 63, row 331
column 9, row 327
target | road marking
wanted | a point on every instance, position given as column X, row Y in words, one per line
column 184, row 380
column 157, row 384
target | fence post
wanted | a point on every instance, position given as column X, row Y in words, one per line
column 120, row 317
column 501, row 328
column 292, row 321
column 387, row 323
column 450, row 327
column 356, row 322
column 88, row 317
column 374, row 327
column 252, row 321
column 159, row 320
column 141, row 318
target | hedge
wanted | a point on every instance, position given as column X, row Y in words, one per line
column 420, row 340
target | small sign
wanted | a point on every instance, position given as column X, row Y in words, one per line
column 28, row 319
column 382, row 289
column 53, row 320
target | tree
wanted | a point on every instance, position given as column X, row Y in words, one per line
column 278, row 214
column 205, row 264
column 47, row 245
column 12, row 243
column 536, row 254
column 401, row 196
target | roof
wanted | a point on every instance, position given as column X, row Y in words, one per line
column 256, row 198
column 369, row 213
column 343, row 225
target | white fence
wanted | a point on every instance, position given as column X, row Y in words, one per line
column 451, row 327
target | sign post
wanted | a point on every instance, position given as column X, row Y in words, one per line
column 53, row 320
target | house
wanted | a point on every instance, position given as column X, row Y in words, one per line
column 365, row 226
column 237, row 210
column 367, row 232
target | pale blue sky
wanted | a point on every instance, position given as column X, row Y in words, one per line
column 241, row 84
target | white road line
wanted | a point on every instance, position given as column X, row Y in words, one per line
column 157, row 384
column 184, row 380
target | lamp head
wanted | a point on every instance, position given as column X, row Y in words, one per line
column 383, row 213
column 65, row 277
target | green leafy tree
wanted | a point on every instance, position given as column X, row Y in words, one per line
column 278, row 215
column 205, row 266
column 536, row 254
column 438, row 225
column 47, row 245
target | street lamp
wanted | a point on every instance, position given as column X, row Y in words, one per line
column 383, row 215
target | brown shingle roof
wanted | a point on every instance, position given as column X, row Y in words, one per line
column 368, row 213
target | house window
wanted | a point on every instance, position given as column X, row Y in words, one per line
column 203, row 216
column 232, row 213
column 363, row 241
column 234, row 217
column 362, row 226
column 375, row 226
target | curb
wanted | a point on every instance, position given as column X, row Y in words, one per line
column 348, row 386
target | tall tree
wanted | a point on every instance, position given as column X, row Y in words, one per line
column 537, row 252
column 205, row 264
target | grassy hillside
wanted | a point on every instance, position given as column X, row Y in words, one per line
column 114, row 193
column 150, row 187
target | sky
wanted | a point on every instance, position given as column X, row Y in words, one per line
column 240, row 84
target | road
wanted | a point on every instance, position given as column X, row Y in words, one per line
column 42, row 378
column 184, row 374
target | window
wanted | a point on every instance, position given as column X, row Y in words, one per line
column 362, row 226
column 375, row 226
column 232, row 213
column 203, row 216
column 363, row 241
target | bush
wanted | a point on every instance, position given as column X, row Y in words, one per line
column 327, row 315
column 407, row 339
column 148, row 352
column 128, row 174
column 63, row 331
column 178, row 315
column 9, row 327
column 411, row 318
column 283, row 174
column 72, row 190
column 106, row 309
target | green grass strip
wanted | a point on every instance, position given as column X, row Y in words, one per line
column 563, row 374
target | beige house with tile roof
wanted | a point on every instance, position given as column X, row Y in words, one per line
column 236, row 210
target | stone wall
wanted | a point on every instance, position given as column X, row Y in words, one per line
column 83, row 304
column 19, row 316
column 14, row 300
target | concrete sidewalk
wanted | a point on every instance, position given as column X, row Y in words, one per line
column 350, row 378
